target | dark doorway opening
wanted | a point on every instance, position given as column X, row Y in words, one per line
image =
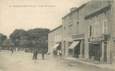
column 70, row 52
column 95, row 51
column 77, row 51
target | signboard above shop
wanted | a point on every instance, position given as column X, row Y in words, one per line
column 79, row 36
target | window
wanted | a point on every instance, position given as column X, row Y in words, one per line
column 105, row 24
column 64, row 27
column 70, row 25
column 90, row 31
column 78, row 27
column 70, row 29
column 77, row 22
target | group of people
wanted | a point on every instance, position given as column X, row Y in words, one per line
column 36, row 52
column 57, row 52
column 39, row 48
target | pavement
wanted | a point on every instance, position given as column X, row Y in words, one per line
column 99, row 65
column 21, row 61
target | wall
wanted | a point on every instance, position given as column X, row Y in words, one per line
column 101, row 21
column 75, row 23
column 112, row 21
column 54, row 37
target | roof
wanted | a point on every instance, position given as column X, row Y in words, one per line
column 97, row 12
column 77, row 9
column 56, row 28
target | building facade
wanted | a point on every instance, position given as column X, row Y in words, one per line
column 91, row 30
column 74, row 29
column 88, row 32
column 55, row 39
column 98, row 16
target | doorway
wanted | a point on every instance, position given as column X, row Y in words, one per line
column 95, row 51
column 77, row 50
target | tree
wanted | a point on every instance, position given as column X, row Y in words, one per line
column 2, row 38
column 31, row 38
column 19, row 37
column 40, row 37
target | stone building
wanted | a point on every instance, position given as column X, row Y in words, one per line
column 73, row 34
column 55, row 39
column 97, row 16
column 89, row 31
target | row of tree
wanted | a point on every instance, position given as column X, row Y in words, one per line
column 33, row 38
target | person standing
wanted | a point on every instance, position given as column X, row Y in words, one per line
column 43, row 51
column 12, row 51
column 35, row 53
column 43, row 55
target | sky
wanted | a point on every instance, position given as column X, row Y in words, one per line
column 30, row 14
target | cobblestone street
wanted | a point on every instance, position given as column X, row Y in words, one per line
column 20, row 61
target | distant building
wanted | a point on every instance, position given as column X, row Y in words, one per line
column 55, row 39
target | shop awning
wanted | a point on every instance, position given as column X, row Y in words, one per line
column 55, row 46
column 74, row 44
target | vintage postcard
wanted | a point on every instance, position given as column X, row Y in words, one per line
column 57, row 35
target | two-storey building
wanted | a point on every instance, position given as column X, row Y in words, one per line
column 98, row 18
column 55, row 39
column 88, row 31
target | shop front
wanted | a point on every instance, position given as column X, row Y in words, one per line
column 76, row 49
column 98, row 49
column 95, row 50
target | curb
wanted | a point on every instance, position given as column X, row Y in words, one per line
column 91, row 64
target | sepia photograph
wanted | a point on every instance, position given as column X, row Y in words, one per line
column 57, row 35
